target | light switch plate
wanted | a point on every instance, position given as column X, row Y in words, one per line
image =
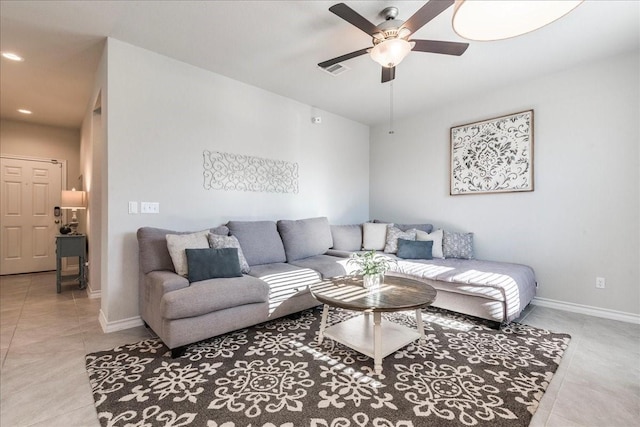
column 133, row 208
column 150, row 207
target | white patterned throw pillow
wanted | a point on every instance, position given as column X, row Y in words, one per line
column 178, row 243
column 436, row 237
column 393, row 234
column 457, row 245
column 217, row 241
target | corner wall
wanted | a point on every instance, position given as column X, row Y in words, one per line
column 93, row 160
column 162, row 115
column 581, row 221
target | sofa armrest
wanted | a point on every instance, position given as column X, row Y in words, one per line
column 153, row 286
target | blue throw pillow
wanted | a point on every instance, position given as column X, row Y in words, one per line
column 212, row 263
column 415, row 249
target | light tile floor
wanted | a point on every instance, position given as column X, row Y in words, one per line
column 44, row 337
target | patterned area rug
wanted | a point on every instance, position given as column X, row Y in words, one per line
column 276, row 375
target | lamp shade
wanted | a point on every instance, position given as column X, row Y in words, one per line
column 73, row 200
column 487, row 20
column 391, row 52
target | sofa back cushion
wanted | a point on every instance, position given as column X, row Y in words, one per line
column 347, row 237
column 305, row 238
column 259, row 240
column 152, row 247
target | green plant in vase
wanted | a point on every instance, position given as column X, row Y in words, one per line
column 371, row 265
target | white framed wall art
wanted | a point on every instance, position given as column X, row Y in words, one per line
column 493, row 156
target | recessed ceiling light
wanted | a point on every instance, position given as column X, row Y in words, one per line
column 23, row 111
column 12, row 56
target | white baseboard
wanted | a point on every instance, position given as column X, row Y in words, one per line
column 118, row 325
column 93, row 293
column 588, row 310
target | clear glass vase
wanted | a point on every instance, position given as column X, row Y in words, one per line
column 371, row 281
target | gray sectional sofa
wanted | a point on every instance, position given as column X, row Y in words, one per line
column 282, row 259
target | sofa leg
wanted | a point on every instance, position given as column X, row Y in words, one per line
column 178, row 351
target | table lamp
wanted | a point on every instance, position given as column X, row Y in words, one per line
column 74, row 200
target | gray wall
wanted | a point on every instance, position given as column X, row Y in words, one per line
column 581, row 221
column 161, row 114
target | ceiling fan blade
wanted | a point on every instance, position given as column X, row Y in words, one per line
column 388, row 74
column 437, row 46
column 344, row 57
column 426, row 13
column 354, row 18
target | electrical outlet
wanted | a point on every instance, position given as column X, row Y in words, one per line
column 600, row 282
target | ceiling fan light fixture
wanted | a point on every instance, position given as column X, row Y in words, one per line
column 391, row 52
column 490, row 20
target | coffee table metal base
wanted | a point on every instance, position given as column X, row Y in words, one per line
column 371, row 335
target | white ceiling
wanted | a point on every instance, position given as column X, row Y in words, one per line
column 275, row 45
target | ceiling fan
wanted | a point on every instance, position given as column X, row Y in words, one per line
column 391, row 38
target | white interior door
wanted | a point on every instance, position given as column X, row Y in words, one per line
column 30, row 191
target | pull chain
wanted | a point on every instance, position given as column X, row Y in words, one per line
column 391, row 131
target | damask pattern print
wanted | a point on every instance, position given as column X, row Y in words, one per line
column 493, row 155
column 237, row 172
column 276, row 374
column 262, row 386
column 450, row 393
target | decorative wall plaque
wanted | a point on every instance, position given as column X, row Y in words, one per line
column 493, row 156
column 237, row 172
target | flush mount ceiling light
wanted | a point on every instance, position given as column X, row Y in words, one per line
column 12, row 56
column 489, row 20
column 391, row 52
column 23, row 111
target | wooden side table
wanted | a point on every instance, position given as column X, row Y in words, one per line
column 71, row 245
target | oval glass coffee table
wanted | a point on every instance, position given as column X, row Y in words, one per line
column 379, row 337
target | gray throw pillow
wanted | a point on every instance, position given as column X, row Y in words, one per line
column 305, row 238
column 415, row 249
column 393, row 234
column 219, row 242
column 457, row 245
column 212, row 263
